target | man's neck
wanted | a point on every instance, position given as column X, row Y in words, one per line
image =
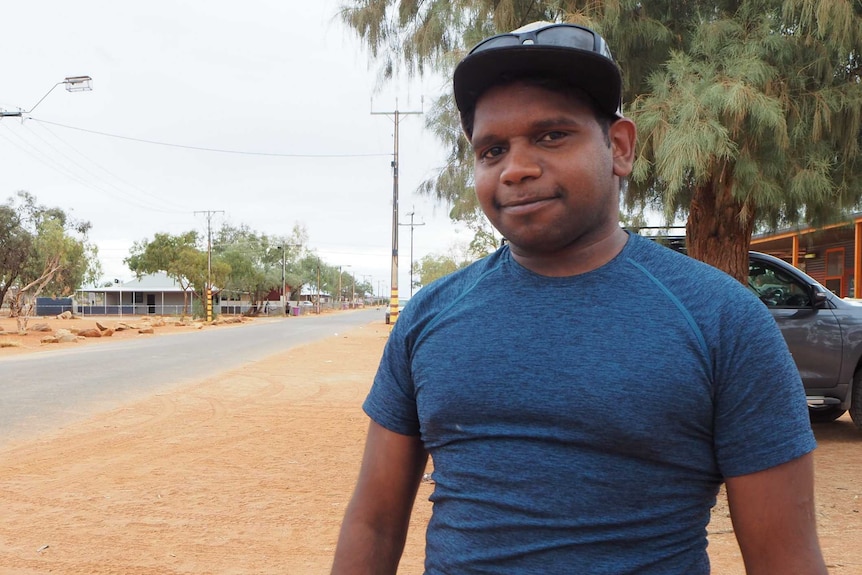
column 574, row 259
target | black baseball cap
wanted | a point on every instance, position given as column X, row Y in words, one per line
column 569, row 52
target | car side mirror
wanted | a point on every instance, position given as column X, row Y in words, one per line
column 818, row 297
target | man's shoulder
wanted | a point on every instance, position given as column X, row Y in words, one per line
column 462, row 278
column 652, row 254
column 695, row 284
column 445, row 292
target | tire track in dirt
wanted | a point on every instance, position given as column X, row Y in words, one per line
column 248, row 472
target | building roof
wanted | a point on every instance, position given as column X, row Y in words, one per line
column 156, row 282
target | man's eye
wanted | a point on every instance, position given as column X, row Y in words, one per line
column 493, row 152
column 551, row 136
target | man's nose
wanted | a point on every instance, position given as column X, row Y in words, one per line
column 521, row 164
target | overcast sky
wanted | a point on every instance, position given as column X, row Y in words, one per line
column 284, row 78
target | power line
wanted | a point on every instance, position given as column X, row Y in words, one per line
column 44, row 158
column 206, row 149
column 149, row 194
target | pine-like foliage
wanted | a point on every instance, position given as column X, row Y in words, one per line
column 753, row 120
column 748, row 112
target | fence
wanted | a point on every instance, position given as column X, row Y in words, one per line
column 226, row 307
column 130, row 309
column 53, row 306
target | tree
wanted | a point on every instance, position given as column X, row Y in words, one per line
column 46, row 252
column 756, row 121
column 299, row 269
column 15, row 248
column 435, row 266
column 313, row 269
column 180, row 258
column 257, row 261
column 749, row 112
column 329, row 279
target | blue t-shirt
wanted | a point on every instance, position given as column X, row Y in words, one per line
column 584, row 424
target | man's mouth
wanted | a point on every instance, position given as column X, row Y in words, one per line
column 525, row 205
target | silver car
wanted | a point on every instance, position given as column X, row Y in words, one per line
column 823, row 332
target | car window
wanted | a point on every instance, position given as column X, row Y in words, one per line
column 776, row 288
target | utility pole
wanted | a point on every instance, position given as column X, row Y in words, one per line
column 412, row 225
column 283, row 285
column 209, row 290
column 396, row 117
column 318, row 286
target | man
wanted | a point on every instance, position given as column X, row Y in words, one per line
column 588, row 433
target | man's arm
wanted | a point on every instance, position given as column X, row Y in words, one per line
column 375, row 524
column 773, row 517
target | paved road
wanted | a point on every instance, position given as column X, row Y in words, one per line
column 42, row 392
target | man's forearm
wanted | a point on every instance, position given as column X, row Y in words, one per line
column 375, row 525
column 362, row 549
column 774, row 519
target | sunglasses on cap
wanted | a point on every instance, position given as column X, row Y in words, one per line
column 561, row 35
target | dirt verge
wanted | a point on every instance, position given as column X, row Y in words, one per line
column 250, row 471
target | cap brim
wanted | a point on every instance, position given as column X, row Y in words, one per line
column 593, row 73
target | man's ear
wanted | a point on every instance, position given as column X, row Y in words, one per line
column 623, row 136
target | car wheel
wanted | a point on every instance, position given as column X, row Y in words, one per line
column 856, row 401
column 825, row 414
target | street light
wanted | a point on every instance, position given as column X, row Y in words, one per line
column 371, row 284
column 73, row 84
column 412, row 225
column 340, row 297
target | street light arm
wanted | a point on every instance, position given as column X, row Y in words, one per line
column 83, row 81
column 43, row 97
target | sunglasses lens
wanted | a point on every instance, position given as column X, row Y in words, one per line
column 566, row 36
column 502, row 41
column 559, row 35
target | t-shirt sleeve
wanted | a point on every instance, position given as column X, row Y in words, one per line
column 761, row 414
column 391, row 402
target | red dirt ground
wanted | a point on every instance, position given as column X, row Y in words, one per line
column 250, row 472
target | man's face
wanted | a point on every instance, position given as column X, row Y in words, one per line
column 546, row 174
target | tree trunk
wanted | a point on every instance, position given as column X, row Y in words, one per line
column 4, row 289
column 21, row 309
column 719, row 228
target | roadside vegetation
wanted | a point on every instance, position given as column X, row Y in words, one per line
column 44, row 252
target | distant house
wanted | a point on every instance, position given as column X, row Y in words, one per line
column 310, row 293
column 232, row 302
column 832, row 254
column 272, row 302
column 152, row 294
